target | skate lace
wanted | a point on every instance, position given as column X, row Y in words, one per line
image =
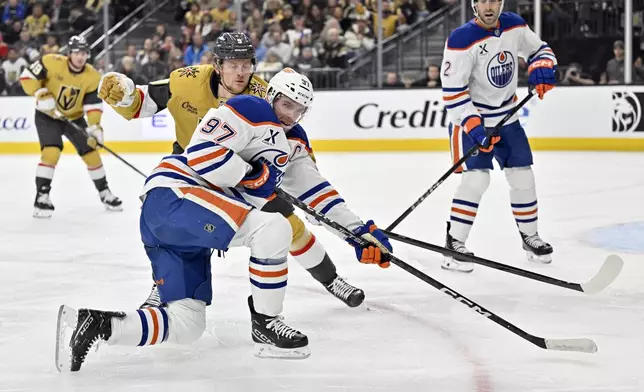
column 535, row 241
column 341, row 288
column 277, row 325
column 43, row 198
column 107, row 196
column 153, row 299
column 459, row 246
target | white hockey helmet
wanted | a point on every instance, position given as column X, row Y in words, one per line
column 476, row 12
column 293, row 85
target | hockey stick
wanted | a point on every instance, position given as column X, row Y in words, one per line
column 580, row 345
column 83, row 131
column 607, row 273
column 458, row 164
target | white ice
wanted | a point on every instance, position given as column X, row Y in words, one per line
column 406, row 337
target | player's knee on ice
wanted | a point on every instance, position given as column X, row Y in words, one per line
column 520, row 178
column 187, row 320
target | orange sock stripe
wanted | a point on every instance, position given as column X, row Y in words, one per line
column 155, row 324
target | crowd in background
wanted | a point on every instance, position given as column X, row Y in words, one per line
column 303, row 34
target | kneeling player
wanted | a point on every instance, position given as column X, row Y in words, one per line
column 195, row 202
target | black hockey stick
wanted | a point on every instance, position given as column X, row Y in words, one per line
column 607, row 273
column 83, row 131
column 458, row 164
column 579, row 345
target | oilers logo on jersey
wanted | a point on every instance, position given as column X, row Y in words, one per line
column 500, row 70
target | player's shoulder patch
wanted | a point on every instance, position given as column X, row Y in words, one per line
column 510, row 20
column 257, row 86
column 253, row 109
column 465, row 36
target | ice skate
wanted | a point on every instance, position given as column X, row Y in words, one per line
column 153, row 300
column 43, row 208
column 274, row 339
column 537, row 249
column 456, row 264
column 111, row 202
column 350, row 295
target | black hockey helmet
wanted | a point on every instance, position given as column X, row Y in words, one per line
column 235, row 45
column 77, row 43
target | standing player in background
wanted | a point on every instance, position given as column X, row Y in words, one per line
column 68, row 85
column 479, row 78
column 188, row 94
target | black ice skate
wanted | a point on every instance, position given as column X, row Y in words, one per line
column 111, row 202
column 153, row 300
column 43, row 208
column 91, row 326
column 536, row 248
column 274, row 339
column 350, row 295
column 456, row 263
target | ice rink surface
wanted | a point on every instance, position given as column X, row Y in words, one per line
column 407, row 336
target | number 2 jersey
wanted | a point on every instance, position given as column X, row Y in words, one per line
column 479, row 73
column 226, row 141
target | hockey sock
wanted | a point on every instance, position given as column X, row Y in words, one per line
column 268, row 279
column 523, row 198
column 144, row 327
column 49, row 157
column 96, row 170
column 466, row 202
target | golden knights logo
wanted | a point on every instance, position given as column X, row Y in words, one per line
column 257, row 89
column 67, row 97
column 188, row 71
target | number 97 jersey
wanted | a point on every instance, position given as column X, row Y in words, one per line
column 480, row 69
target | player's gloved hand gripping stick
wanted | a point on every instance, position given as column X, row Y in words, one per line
column 475, row 148
column 579, row 345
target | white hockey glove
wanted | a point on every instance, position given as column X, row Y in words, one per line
column 95, row 135
column 45, row 101
column 116, row 89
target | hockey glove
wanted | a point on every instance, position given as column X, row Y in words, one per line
column 377, row 252
column 542, row 75
column 116, row 89
column 261, row 180
column 485, row 140
column 45, row 101
column 95, row 135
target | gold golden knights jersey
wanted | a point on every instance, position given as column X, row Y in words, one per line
column 75, row 92
column 188, row 94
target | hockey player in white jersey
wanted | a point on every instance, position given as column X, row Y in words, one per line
column 201, row 200
column 479, row 79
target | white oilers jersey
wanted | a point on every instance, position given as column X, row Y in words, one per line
column 225, row 141
column 480, row 69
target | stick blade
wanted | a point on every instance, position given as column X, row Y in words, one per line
column 578, row 345
column 607, row 274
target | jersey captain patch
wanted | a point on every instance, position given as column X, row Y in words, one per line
column 500, row 69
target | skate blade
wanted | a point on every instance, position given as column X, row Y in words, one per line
column 67, row 319
column 268, row 351
column 544, row 259
column 113, row 208
column 42, row 214
column 458, row 266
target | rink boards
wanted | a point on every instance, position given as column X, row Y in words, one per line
column 606, row 118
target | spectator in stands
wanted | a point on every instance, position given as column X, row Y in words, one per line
column 389, row 19
column 127, row 68
column 260, row 50
column 287, row 18
column 431, row 80
column 192, row 18
column 165, row 47
column 132, row 52
column 161, row 31
column 283, row 50
column 298, row 30
column 177, row 62
column 207, row 58
column 13, row 66
column 80, row 19
column 306, row 61
column 221, row 14
column 38, row 23
column 211, row 32
column 303, row 42
column 333, row 53
column 638, row 70
column 615, row 66
column 391, row 81
column 50, row 46
column 4, row 49
column 13, row 35
column 153, row 69
column 143, row 56
column 575, row 76
column 59, row 11
column 195, row 50
column 359, row 37
column 409, row 10
column 270, row 66
column 27, row 47
column 272, row 11
column 255, row 22
column 315, row 20
column 13, row 10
